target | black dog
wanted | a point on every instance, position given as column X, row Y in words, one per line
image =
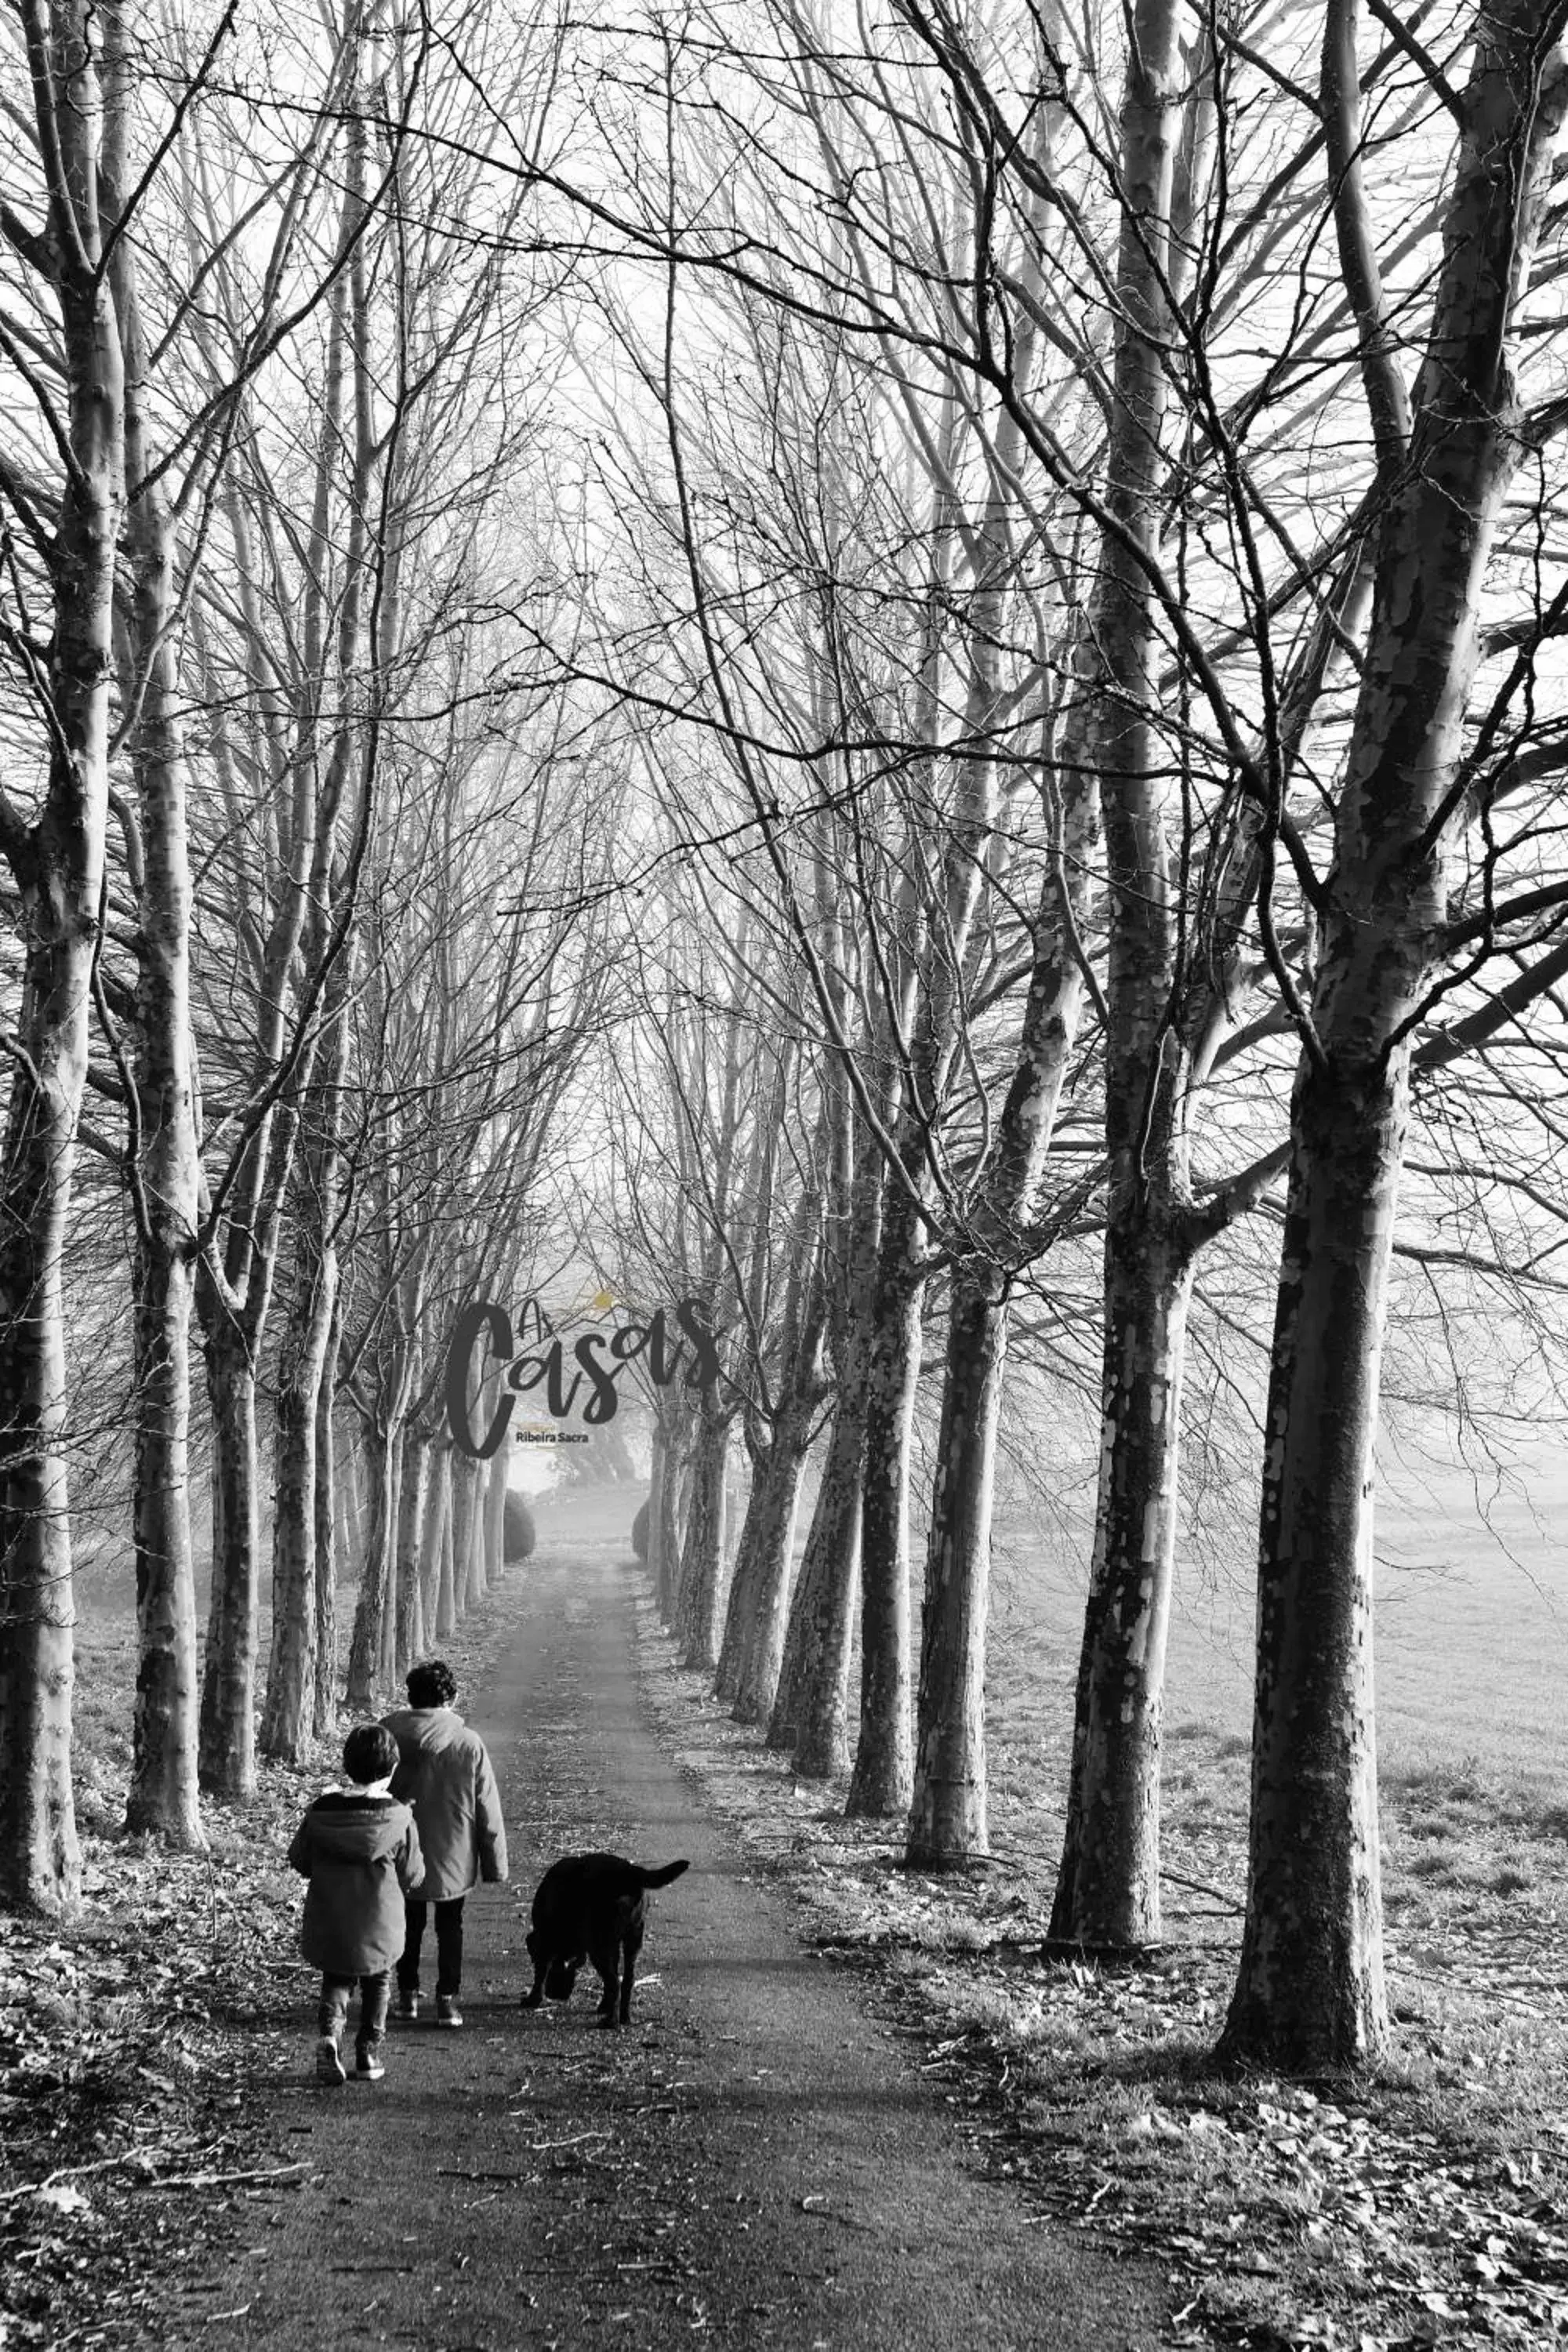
column 592, row 1907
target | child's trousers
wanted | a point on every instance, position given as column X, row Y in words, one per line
column 375, row 1997
column 449, row 1946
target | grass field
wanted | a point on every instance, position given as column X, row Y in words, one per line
column 1471, row 1633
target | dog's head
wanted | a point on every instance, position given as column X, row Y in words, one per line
column 560, row 1974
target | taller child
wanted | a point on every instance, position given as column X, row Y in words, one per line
column 445, row 1775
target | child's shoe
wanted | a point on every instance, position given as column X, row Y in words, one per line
column 330, row 2069
column 447, row 2011
column 367, row 2062
column 408, row 2002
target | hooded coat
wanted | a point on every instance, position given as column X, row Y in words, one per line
column 446, row 1776
column 361, row 1854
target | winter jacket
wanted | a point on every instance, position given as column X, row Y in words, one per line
column 445, row 1774
column 360, row 1853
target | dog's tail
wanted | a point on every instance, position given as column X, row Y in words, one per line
column 662, row 1877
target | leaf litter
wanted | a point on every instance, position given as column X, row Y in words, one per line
column 1427, row 2207
column 137, row 2039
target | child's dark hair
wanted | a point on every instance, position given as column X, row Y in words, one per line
column 370, row 1753
column 432, row 1683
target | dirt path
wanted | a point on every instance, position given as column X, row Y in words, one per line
column 755, row 2163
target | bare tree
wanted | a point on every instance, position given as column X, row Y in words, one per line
column 67, row 535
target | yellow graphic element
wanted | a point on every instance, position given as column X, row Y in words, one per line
column 603, row 1301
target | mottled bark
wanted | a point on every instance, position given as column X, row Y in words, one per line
column 387, row 1668
column 324, row 1707
column 1108, row 1886
column 287, row 1715
column 445, row 1614
column 811, row 1711
column 492, row 1546
column 758, row 1612
column 1311, row 1992
column 162, row 1797
column 430, row 1540
column 226, row 1737
column 666, row 1531
column 413, row 1487
column 306, row 1345
column 703, row 1579
column 375, row 1581
column 466, row 1503
column 350, row 1483
column 947, row 1813
column 656, row 1554
column 883, row 1777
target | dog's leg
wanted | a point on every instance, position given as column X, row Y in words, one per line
column 607, row 1961
column 534, row 1996
column 628, row 1976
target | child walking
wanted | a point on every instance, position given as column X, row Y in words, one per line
column 446, row 1776
column 359, row 1848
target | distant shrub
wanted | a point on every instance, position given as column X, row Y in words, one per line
column 519, row 1535
column 640, row 1533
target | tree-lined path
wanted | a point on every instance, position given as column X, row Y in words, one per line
column 754, row 2164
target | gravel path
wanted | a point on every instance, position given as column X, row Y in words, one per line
column 756, row 2163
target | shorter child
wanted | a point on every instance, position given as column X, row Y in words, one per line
column 358, row 1849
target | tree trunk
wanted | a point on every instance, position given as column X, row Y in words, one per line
column 324, row 1711
column 40, row 1863
column 947, row 1817
column 947, row 1814
column 1108, row 1887
column 351, row 1515
column 699, row 1613
column 58, row 868
column 396, row 1459
column 474, row 1576
column 759, row 1608
column 882, row 1780
column 413, row 1490
column 163, row 1795
column 811, row 1711
column 1310, row 1995
column 287, row 1717
column 227, row 1739
column 757, row 1539
column 658, row 1463
column 1310, row 1992
column 466, row 1504
column 671, row 1530
column 380, row 1537
column 435, row 1491
column 493, row 1525
column 446, row 1612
